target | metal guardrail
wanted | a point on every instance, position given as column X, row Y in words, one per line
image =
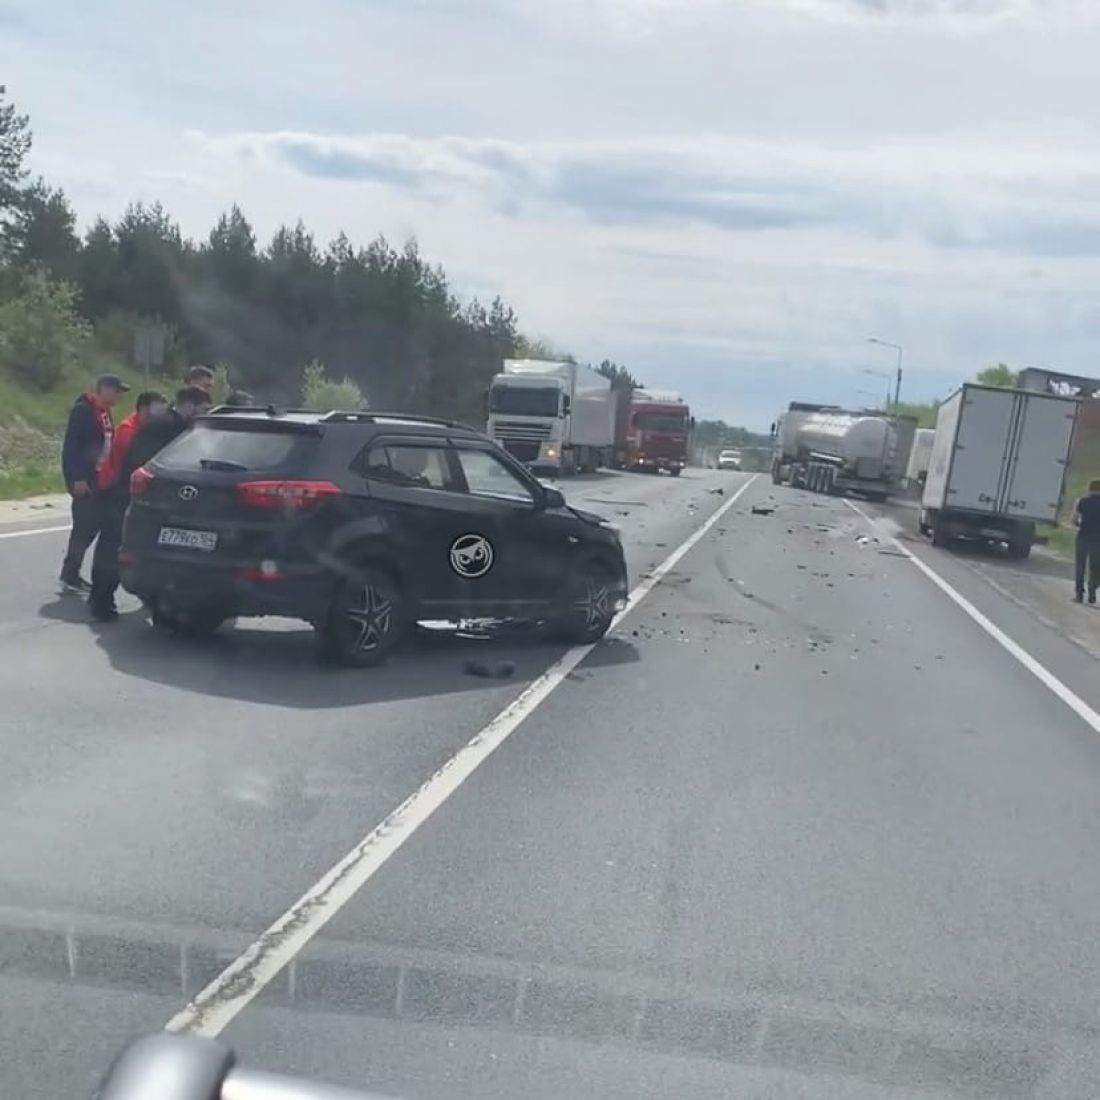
column 980, row 1050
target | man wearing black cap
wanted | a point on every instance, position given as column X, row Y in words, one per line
column 87, row 443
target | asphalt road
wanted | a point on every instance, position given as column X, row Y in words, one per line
column 801, row 827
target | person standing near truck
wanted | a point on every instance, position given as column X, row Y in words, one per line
column 1086, row 517
column 88, row 436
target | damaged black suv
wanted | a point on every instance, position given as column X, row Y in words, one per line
column 361, row 524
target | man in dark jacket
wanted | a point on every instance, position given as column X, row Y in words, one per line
column 87, row 442
column 153, row 436
column 1086, row 516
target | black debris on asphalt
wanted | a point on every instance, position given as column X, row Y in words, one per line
column 761, row 510
column 498, row 670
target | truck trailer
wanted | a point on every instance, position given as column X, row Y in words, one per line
column 828, row 449
column 998, row 466
column 652, row 430
column 557, row 417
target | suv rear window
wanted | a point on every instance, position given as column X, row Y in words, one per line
column 225, row 448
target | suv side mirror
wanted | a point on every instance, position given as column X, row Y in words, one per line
column 565, row 404
column 552, row 498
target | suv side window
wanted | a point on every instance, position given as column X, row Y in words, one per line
column 487, row 476
column 406, row 464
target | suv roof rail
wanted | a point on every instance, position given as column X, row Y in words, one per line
column 269, row 410
column 343, row 416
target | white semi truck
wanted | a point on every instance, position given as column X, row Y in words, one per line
column 998, row 466
column 556, row 417
column 831, row 450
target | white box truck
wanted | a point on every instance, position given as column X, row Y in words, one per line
column 555, row 417
column 998, row 466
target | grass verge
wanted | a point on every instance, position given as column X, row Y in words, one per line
column 29, row 481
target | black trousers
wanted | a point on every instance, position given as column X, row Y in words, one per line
column 105, row 578
column 1088, row 554
column 85, row 528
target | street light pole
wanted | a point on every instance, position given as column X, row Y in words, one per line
column 898, row 348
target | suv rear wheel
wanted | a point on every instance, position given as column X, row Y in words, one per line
column 365, row 621
column 585, row 607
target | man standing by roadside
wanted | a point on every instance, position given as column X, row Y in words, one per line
column 88, row 438
column 149, row 404
column 1086, row 517
column 153, row 436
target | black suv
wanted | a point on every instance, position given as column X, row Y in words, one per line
column 361, row 524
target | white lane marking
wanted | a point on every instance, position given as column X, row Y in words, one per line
column 34, row 531
column 216, row 1006
column 1039, row 671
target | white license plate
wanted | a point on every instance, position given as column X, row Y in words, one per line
column 188, row 540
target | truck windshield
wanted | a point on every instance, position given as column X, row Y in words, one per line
column 660, row 421
column 524, row 400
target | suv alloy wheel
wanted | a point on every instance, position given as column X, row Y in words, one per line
column 586, row 606
column 366, row 620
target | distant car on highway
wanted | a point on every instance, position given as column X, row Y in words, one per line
column 729, row 460
column 360, row 524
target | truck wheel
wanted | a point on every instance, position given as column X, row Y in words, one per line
column 1019, row 551
column 675, row 471
column 940, row 534
column 365, row 621
column 922, row 524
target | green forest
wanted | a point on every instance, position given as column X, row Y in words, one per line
column 383, row 316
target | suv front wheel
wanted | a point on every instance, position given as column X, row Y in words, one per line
column 585, row 607
column 365, row 621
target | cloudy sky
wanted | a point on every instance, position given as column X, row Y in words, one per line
column 730, row 196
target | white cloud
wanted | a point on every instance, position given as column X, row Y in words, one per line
column 965, row 193
column 977, row 14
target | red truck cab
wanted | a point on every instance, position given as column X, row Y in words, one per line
column 652, row 431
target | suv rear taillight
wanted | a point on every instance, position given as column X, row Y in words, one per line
column 285, row 496
column 140, row 481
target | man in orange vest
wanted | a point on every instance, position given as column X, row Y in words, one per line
column 148, row 405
